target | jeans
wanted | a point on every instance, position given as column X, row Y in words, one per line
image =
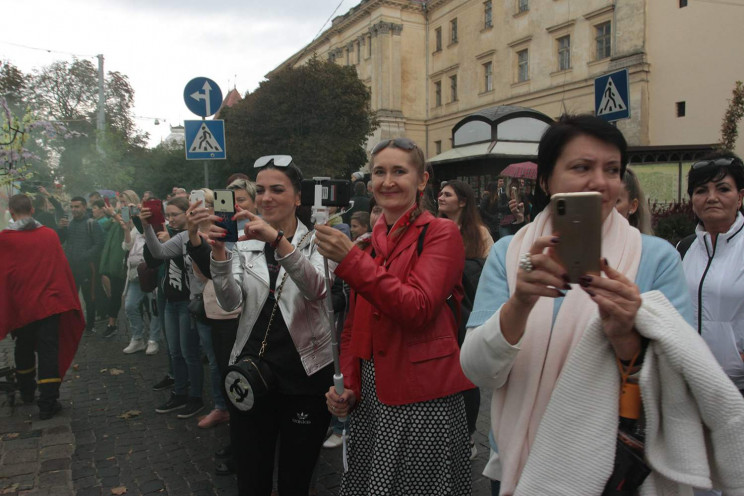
column 133, row 299
column 160, row 311
column 183, row 347
column 84, row 284
column 205, row 336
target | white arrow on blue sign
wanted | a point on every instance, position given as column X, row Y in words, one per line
column 611, row 96
column 205, row 140
column 202, row 96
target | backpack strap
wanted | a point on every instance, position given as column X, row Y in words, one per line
column 685, row 244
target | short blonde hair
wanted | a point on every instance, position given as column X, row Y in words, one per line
column 208, row 197
column 246, row 185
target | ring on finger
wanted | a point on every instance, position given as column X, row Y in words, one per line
column 525, row 262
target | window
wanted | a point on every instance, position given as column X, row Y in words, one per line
column 453, row 31
column 603, row 39
column 438, row 94
column 437, row 147
column 453, row 88
column 487, row 14
column 369, row 46
column 438, row 38
column 523, row 73
column 348, row 55
column 681, row 109
column 359, row 52
column 488, row 76
column 564, row 53
column 523, row 5
column 682, row 3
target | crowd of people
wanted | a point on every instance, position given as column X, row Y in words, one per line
column 629, row 381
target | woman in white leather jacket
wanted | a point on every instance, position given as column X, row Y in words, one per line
column 713, row 263
column 277, row 260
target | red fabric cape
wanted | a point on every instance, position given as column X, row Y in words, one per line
column 36, row 282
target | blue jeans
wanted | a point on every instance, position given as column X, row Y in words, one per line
column 205, row 336
column 183, row 347
column 160, row 300
column 133, row 299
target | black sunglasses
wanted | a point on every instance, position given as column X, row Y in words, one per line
column 718, row 162
column 402, row 143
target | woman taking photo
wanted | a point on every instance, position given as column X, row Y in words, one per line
column 183, row 340
column 713, row 263
column 407, row 427
column 557, row 355
column 277, row 275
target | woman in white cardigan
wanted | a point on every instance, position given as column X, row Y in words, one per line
column 554, row 353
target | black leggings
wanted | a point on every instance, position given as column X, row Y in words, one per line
column 299, row 423
column 117, row 290
column 40, row 338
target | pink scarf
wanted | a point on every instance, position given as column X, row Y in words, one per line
column 518, row 407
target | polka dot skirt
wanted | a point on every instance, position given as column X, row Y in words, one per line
column 420, row 449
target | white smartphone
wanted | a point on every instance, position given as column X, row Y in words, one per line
column 195, row 196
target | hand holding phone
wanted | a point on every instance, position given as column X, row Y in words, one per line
column 224, row 207
column 197, row 195
column 125, row 213
column 155, row 208
column 577, row 219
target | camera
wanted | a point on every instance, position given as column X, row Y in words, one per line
column 561, row 207
column 332, row 192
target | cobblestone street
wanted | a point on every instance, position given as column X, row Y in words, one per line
column 108, row 438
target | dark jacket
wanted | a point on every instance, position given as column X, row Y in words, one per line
column 83, row 243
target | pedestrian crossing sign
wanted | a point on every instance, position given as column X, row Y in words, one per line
column 611, row 96
column 205, row 140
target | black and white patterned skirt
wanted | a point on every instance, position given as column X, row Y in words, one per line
column 419, row 449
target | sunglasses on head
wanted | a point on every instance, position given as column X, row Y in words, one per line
column 717, row 162
column 276, row 160
column 402, row 143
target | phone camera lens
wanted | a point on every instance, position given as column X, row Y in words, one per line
column 561, row 207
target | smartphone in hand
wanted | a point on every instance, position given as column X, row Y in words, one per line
column 224, row 207
column 156, row 209
column 577, row 218
column 197, row 195
column 125, row 213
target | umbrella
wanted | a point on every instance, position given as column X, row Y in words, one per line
column 527, row 170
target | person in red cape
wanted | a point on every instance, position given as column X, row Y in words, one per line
column 39, row 305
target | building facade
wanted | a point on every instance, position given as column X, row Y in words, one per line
column 429, row 64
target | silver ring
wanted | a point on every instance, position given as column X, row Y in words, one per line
column 525, row 262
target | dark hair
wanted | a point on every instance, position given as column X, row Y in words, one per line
column 641, row 218
column 79, row 199
column 98, row 203
column 20, row 204
column 179, row 202
column 559, row 134
column 40, row 202
column 237, row 175
column 361, row 217
column 294, row 174
column 95, row 194
column 470, row 221
column 712, row 172
column 360, row 189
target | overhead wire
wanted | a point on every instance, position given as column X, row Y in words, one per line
column 48, row 50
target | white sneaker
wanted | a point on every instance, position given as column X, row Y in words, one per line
column 333, row 441
column 135, row 345
column 152, row 347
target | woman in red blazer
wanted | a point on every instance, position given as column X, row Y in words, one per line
column 399, row 352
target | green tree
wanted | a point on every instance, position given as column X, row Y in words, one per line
column 734, row 113
column 319, row 113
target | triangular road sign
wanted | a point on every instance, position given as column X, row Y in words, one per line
column 611, row 100
column 204, row 141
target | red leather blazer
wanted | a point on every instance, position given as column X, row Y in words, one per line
column 398, row 312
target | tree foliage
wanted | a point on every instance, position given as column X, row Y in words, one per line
column 319, row 113
column 734, row 113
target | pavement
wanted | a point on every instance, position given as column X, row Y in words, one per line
column 108, row 440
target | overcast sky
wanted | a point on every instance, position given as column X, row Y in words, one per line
column 162, row 44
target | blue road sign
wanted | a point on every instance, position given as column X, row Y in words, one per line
column 611, row 96
column 202, row 96
column 205, row 140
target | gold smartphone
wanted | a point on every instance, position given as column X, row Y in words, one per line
column 577, row 218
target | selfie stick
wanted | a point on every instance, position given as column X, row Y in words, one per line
column 321, row 216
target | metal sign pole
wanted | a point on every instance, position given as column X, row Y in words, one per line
column 206, row 175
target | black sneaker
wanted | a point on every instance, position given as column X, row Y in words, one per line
column 110, row 331
column 176, row 402
column 90, row 330
column 50, row 412
column 193, row 406
column 166, row 383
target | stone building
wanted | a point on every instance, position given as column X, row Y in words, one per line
column 430, row 64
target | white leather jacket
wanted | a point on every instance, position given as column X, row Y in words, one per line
column 244, row 279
